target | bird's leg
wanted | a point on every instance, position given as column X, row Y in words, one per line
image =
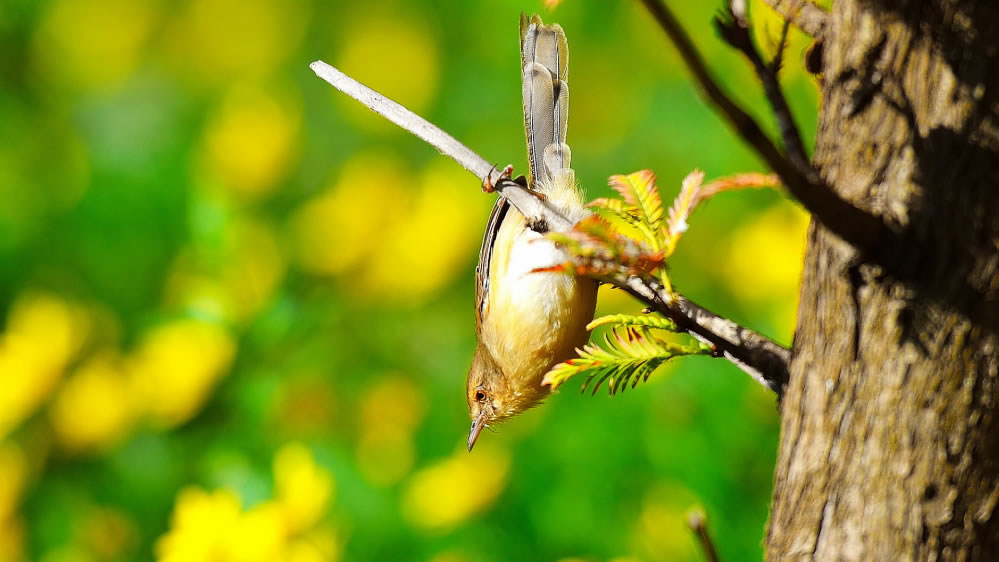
column 489, row 184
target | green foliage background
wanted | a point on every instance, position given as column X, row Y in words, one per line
column 239, row 305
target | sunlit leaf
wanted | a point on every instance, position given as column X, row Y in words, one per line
column 682, row 206
column 629, row 354
column 639, row 190
column 752, row 180
column 648, row 320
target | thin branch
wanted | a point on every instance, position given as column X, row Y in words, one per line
column 396, row 113
column 696, row 520
column 735, row 32
column 868, row 233
column 757, row 355
column 802, row 14
column 778, row 61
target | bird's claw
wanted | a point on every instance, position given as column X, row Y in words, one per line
column 489, row 185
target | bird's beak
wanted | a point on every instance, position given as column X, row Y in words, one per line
column 477, row 424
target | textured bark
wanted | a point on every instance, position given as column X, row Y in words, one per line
column 890, row 435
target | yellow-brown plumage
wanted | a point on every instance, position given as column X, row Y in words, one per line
column 527, row 322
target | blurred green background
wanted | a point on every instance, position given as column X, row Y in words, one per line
column 237, row 305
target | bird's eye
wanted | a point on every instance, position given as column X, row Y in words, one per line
column 480, row 396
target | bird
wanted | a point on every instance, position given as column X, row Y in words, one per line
column 527, row 321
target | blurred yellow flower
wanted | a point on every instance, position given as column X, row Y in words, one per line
column 303, row 489
column 319, row 545
column 454, row 489
column 200, row 526
column 401, row 240
column 80, row 43
column 251, row 140
column 338, row 228
column 213, row 527
column 93, row 408
column 220, row 41
column 259, row 535
column 44, row 333
column 393, row 56
column 765, row 259
column 436, row 239
column 177, row 365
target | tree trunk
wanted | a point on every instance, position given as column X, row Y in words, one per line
column 889, row 445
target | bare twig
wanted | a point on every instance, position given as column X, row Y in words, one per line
column 868, row 233
column 735, row 32
column 396, row 113
column 697, row 522
column 802, row 14
column 446, row 144
column 757, row 355
column 778, row 62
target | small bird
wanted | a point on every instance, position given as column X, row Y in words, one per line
column 528, row 321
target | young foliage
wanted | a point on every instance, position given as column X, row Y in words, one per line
column 634, row 235
column 630, row 354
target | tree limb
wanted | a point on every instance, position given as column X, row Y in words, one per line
column 755, row 354
column 866, row 232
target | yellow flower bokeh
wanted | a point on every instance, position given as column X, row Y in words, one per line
column 177, row 365
column 200, row 526
column 93, row 408
column 219, row 41
column 409, row 75
column 214, row 527
column 303, row 489
column 338, row 228
column 765, row 259
column 77, row 46
column 44, row 333
column 435, row 240
column 453, row 490
column 252, row 140
column 391, row 234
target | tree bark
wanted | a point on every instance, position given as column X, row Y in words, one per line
column 889, row 444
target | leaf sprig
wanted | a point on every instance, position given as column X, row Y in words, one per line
column 634, row 235
column 630, row 354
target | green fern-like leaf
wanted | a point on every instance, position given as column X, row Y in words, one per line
column 682, row 207
column 639, row 190
column 647, row 320
column 630, row 354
